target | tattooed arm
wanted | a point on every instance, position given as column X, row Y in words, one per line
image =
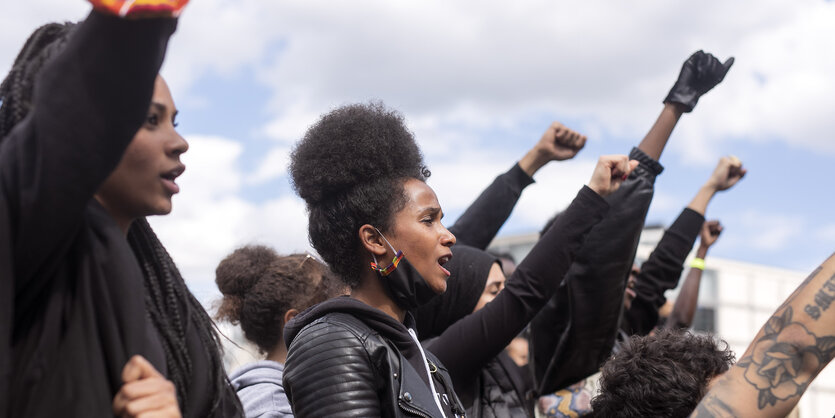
column 791, row 349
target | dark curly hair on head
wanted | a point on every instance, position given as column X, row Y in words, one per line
column 350, row 168
column 259, row 286
column 661, row 375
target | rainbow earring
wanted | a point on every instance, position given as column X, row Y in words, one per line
column 394, row 262
column 390, row 268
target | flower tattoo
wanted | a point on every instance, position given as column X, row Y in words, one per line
column 774, row 364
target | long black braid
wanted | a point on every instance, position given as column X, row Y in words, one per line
column 170, row 305
column 16, row 91
column 165, row 291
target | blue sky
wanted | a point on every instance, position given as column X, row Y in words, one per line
column 478, row 83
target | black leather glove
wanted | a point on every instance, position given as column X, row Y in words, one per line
column 700, row 73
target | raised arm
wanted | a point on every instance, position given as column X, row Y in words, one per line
column 576, row 330
column 558, row 357
column 699, row 74
column 466, row 346
column 88, row 103
column 480, row 223
column 662, row 270
column 688, row 297
column 792, row 347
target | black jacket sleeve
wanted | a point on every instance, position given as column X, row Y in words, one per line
column 574, row 333
column 466, row 346
column 661, row 272
column 329, row 374
column 480, row 223
column 88, row 103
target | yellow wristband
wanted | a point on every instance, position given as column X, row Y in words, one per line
column 698, row 263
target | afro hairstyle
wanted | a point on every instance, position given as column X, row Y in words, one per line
column 350, row 168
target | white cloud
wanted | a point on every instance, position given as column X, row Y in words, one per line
column 488, row 65
column 459, row 69
column 272, row 166
column 20, row 18
column 211, row 217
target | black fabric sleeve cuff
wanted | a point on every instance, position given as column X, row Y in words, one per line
column 593, row 201
column 517, row 178
column 646, row 163
column 688, row 224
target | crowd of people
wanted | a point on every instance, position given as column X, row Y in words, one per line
column 401, row 316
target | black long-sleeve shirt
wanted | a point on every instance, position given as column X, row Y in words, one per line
column 469, row 344
column 575, row 332
column 79, row 306
column 480, row 223
column 661, row 272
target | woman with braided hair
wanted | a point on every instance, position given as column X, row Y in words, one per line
column 97, row 320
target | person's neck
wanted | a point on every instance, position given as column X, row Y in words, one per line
column 279, row 353
column 371, row 292
column 123, row 221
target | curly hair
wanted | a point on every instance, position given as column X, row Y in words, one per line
column 665, row 374
column 350, row 168
column 259, row 286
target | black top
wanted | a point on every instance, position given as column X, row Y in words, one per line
column 575, row 332
column 480, row 223
column 661, row 272
column 469, row 344
column 79, row 306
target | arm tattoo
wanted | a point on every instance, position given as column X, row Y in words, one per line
column 822, row 300
column 713, row 407
column 779, row 358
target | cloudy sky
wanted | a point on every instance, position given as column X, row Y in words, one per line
column 478, row 83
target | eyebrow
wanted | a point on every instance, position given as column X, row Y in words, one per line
column 432, row 211
column 163, row 108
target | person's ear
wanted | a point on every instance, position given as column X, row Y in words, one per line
column 372, row 241
column 290, row 314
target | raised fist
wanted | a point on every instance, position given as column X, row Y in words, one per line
column 700, row 73
column 610, row 172
column 560, row 143
column 727, row 173
column 710, row 233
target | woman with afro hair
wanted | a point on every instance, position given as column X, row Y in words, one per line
column 378, row 225
column 96, row 319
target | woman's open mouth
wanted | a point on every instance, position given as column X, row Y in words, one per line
column 169, row 177
column 443, row 260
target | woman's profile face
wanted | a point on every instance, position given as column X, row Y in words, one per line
column 144, row 181
column 418, row 232
column 494, row 285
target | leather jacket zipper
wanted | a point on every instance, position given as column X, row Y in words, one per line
column 412, row 410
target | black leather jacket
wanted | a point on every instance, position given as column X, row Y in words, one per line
column 575, row 331
column 345, row 364
column 504, row 390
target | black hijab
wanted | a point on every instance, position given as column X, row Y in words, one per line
column 469, row 269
